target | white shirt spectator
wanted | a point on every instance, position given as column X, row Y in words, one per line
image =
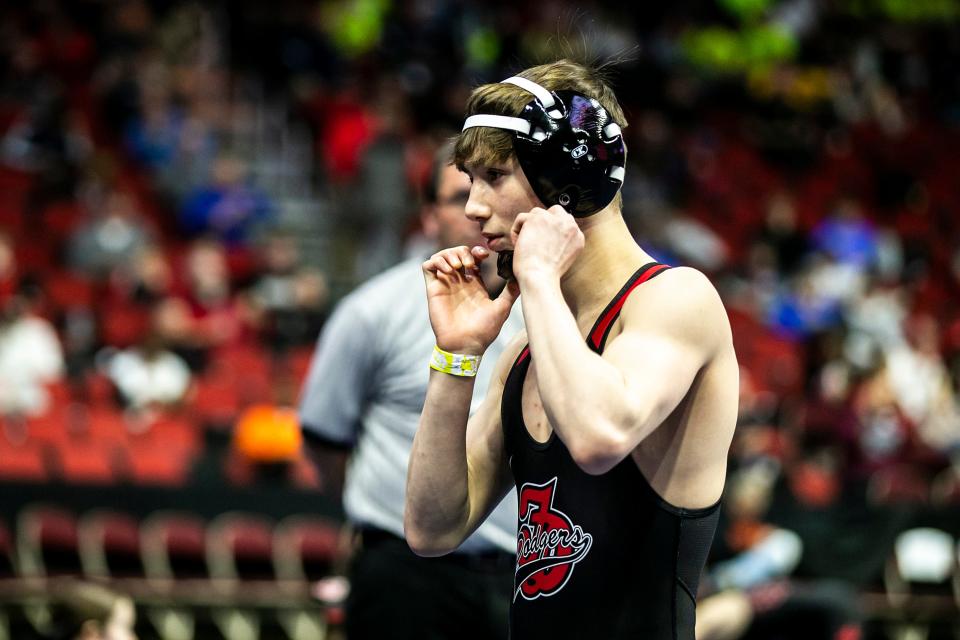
column 30, row 357
column 161, row 378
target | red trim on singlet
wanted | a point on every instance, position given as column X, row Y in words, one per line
column 601, row 329
column 613, row 310
column 523, row 355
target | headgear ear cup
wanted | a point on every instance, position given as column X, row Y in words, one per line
column 568, row 147
column 579, row 163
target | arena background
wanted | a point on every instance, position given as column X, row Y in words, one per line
column 186, row 188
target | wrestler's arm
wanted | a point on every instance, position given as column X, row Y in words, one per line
column 458, row 470
column 603, row 407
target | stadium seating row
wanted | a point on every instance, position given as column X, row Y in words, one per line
column 235, row 566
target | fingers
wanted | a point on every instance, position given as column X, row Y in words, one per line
column 521, row 219
column 480, row 253
column 462, row 260
column 518, row 223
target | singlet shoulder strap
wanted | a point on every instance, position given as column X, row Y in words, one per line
column 601, row 329
column 523, row 356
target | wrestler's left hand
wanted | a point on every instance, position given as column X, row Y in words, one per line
column 545, row 243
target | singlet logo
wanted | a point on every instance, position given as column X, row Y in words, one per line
column 548, row 543
column 580, row 151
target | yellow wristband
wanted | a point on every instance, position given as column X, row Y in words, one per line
column 456, row 364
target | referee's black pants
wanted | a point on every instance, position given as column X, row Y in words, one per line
column 397, row 595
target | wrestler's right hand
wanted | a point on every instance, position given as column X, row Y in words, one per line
column 464, row 318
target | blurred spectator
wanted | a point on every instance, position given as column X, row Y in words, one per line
column 111, row 239
column 782, row 235
column 847, row 236
column 88, row 611
column 30, row 355
column 47, row 137
column 148, row 277
column 294, row 297
column 148, row 376
column 206, row 314
column 155, row 135
column 921, row 383
column 750, row 593
column 383, row 191
column 884, row 436
column 694, row 243
column 802, row 309
column 229, row 208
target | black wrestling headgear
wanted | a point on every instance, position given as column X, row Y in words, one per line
column 569, row 148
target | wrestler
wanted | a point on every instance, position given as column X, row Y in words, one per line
column 611, row 414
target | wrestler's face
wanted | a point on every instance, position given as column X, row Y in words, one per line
column 498, row 193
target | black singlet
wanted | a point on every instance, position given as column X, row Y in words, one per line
column 598, row 556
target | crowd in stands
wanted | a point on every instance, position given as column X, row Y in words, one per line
column 154, row 284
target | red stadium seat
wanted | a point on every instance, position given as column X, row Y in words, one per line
column 149, row 465
column 240, row 547
column 174, row 433
column 124, row 325
column 52, row 427
column 215, row 401
column 23, row 463
column 12, row 211
column 298, row 363
column 173, row 545
column 107, row 424
column 7, row 566
column 83, row 461
column 66, row 290
column 306, row 548
column 249, row 370
column 47, row 541
column 98, row 391
column 61, row 218
column 110, row 544
column 33, row 254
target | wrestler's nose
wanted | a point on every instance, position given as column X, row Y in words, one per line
column 477, row 209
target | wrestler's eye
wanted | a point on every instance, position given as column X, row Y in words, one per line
column 493, row 175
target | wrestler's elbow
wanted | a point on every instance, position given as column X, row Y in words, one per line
column 601, row 451
column 425, row 545
column 426, row 541
column 613, row 438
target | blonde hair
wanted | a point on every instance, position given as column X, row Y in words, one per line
column 485, row 146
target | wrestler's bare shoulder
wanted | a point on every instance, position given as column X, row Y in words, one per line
column 683, row 302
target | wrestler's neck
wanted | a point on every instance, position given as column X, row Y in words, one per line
column 610, row 256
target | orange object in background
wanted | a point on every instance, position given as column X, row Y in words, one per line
column 266, row 433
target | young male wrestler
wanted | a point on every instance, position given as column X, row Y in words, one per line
column 613, row 411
